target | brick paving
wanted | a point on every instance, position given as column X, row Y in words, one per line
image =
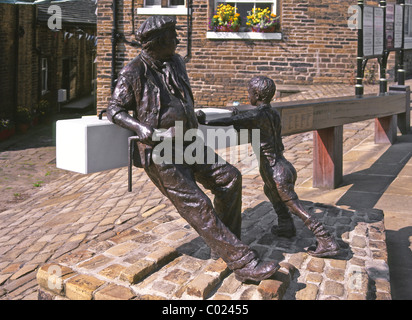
column 108, row 243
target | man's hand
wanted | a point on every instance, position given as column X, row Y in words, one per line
column 145, row 133
column 235, row 111
column 201, row 117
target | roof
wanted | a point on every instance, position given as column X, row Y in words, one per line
column 73, row 11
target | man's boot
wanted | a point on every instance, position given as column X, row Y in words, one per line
column 326, row 243
column 256, row 271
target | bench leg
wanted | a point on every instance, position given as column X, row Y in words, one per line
column 386, row 129
column 403, row 119
column 327, row 157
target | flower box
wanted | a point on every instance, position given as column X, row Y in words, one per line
column 226, row 29
column 264, row 30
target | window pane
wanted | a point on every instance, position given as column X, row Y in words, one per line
column 177, row 2
column 264, row 6
column 242, row 9
column 153, row 2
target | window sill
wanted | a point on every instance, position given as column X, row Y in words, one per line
column 162, row 11
column 243, row 35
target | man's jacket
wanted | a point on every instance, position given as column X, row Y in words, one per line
column 137, row 90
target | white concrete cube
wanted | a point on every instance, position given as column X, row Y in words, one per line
column 90, row 145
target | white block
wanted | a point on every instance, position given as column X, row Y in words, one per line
column 218, row 137
column 90, row 145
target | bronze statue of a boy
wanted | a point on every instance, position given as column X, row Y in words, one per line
column 278, row 174
column 155, row 87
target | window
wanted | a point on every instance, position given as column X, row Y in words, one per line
column 242, row 7
column 165, row 7
column 44, row 72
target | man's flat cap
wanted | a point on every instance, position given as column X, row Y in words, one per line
column 154, row 26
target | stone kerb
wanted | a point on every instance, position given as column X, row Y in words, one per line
column 164, row 258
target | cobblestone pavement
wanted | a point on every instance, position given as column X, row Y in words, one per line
column 109, row 243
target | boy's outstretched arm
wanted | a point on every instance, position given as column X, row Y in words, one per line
column 201, row 118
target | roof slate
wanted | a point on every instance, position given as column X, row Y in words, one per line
column 73, row 11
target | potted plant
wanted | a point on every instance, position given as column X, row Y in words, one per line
column 43, row 110
column 23, row 118
column 7, row 129
column 262, row 20
column 226, row 19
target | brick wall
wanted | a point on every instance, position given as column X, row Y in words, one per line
column 317, row 47
column 16, row 56
column 23, row 42
column 7, row 58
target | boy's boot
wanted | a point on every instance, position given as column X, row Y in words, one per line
column 286, row 227
column 326, row 243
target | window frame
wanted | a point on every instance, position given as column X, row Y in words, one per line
column 244, row 35
column 159, row 10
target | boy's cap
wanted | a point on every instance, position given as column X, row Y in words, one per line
column 154, row 26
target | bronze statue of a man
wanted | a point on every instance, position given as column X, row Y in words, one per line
column 155, row 87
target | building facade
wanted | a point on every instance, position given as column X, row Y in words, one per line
column 312, row 45
column 37, row 59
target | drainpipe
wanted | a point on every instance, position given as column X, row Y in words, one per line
column 189, row 30
column 114, row 44
column 16, row 63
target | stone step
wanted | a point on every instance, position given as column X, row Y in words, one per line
column 164, row 258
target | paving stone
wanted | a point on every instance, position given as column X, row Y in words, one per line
column 310, row 292
column 219, row 267
column 122, row 249
column 202, row 285
column 338, row 264
column 114, row 292
column 150, row 297
column 4, row 277
column 359, row 242
column 81, row 287
column 335, row 274
column 12, row 268
column 113, row 271
column 334, row 288
column 272, row 289
column 137, row 271
column 316, row 265
column 153, row 210
column 163, row 255
column 51, row 277
column 297, row 259
column 230, row 285
column 76, row 256
column 355, row 296
column 178, row 276
column 23, row 271
column 95, row 262
column 164, row 287
column 314, row 278
column 126, row 235
column 251, row 293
